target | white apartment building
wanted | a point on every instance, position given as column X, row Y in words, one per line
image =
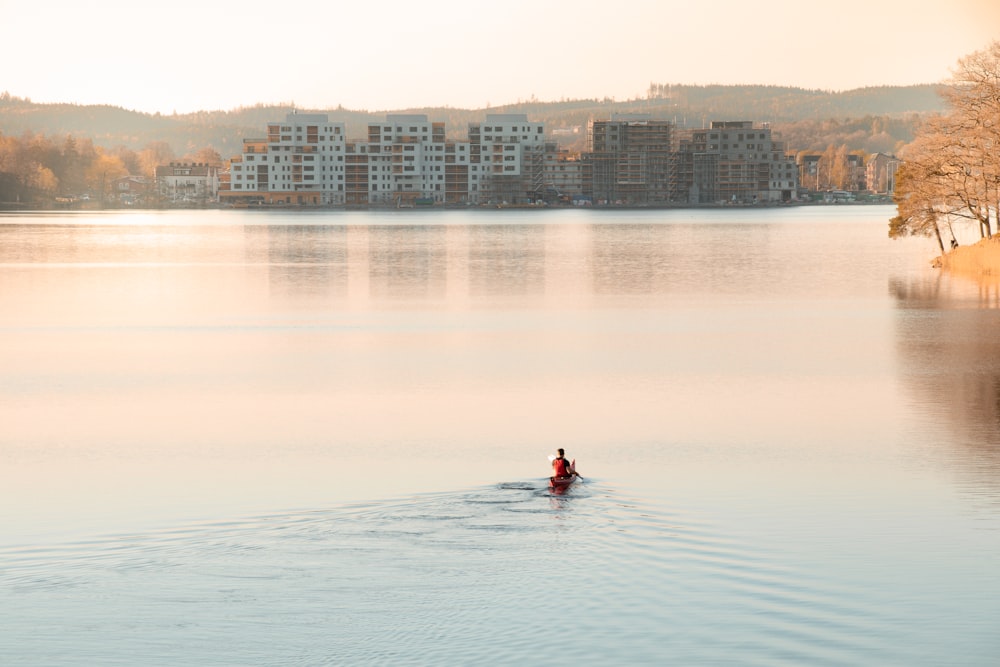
column 509, row 154
column 301, row 162
column 406, row 160
column 409, row 162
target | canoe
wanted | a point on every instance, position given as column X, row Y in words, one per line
column 563, row 482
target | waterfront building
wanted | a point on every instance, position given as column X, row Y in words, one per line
column 880, row 173
column 856, row 172
column 507, row 160
column 300, row 162
column 809, row 170
column 131, row 190
column 697, row 167
column 566, row 175
column 631, row 160
column 457, row 169
column 734, row 162
column 187, row 183
column 405, row 160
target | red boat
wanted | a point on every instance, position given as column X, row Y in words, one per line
column 563, row 482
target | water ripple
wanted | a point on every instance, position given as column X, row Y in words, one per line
column 490, row 575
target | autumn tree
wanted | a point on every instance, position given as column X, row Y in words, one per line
column 840, row 169
column 155, row 154
column 10, row 154
column 102, row 170
column 206, row 155
column 951, row 172
column 921, row 181
column 26, row 166
column 130, row 159
column 69, row 166
column 42, row 179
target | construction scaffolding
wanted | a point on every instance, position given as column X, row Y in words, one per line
column 632, row 160
column 456, row 177
column 355, row 176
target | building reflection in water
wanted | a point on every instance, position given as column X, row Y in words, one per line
column 406, row 261
column 506, row 260
column 302, row 260
column 631, row 259
column 375, row 263
column 658, row 259
column 949, row 348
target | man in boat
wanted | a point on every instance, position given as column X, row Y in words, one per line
column 561, row 468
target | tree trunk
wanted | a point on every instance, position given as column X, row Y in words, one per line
column 937, row 233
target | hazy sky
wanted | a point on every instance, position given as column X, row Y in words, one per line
column 186, row 55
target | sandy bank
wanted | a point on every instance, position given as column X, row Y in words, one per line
column 980, row 259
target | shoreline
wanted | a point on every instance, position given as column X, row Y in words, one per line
column 12, row 207
column 982, row 259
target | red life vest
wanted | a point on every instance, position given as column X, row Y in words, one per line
column 561, row 467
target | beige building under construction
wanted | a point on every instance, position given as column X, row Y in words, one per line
column 631, row 160
column 733, row 162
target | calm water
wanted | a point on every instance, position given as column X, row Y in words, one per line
column 233, row 438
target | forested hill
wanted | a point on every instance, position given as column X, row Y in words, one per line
column 779, row 104
column 808, row 119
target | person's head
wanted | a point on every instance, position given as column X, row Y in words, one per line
column 560, row 452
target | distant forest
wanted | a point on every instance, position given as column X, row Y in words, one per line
column 866, row 119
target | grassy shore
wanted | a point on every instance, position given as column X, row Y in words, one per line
column 977, row 260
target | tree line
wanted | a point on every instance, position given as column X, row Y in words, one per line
column 35, row 167
column 950, row 173
column 786, row 103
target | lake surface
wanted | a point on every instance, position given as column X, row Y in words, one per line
column 234, row 438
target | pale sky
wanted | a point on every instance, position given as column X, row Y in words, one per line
column 190, row 55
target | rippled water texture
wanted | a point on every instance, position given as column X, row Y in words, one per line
column 256, row 438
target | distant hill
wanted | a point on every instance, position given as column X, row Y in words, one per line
column 865, row 119
column 777, row 104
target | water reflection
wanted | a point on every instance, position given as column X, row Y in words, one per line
column 303, row 260
column 751, row 373
column 406, row 261
column 632, row 259
column 507, row 260
column 400, row 262
column 494, row 263
column 950, row 353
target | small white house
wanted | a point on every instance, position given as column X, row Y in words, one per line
column 188, row 182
